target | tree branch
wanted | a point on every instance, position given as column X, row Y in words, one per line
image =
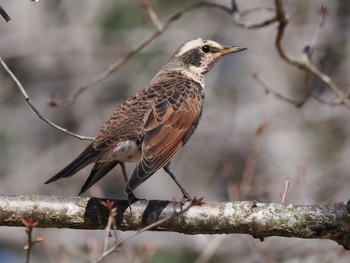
column 268, row 90
column 37, row 112
column 237, row 17
column 305, row 64
column 331, row 221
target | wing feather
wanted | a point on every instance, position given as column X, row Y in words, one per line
column 88, row 156
column 98, row 171
column 167, row 129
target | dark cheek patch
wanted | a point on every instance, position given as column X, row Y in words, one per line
column 192, row 57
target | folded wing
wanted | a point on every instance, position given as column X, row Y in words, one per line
column 169, row 125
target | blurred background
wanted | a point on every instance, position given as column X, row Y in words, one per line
column 246, row 146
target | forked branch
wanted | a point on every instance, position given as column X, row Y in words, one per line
column 305, row 63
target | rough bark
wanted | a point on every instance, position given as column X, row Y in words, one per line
column 331, row 221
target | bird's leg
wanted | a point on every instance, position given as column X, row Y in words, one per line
column 186, row 197
column 131, row 197
column 122, row 165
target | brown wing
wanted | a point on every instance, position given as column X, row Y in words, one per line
column 125, row 124
column 169, row 125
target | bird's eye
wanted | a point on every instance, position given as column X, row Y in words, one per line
column 206, row 49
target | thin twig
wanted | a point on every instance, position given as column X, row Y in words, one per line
column 268, row 90
column 305, row 64
column 4, row 14
column 309, row 50
column 238, row 19
column 323, row 11
column 29, row 229
column 147, row 5
column 194, row 202
column 239, row 15
column 29, row 225
column 295, row 103
column 28, row 100
column 331, row 103
column 286, row 187
column 256, row 9
column 111, row 228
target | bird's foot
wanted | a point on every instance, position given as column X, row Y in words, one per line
column 186, row 198
column 132, row 199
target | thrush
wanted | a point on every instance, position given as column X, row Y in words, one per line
column 153, row 125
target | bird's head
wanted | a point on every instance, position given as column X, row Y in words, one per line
column 199, row 56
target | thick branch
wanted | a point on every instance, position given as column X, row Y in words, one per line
column 260, row 220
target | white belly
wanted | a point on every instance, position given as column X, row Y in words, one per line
column 126, row 151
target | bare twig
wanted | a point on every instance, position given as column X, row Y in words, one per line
column 248, row 173
column 268, row 90
column 323, row 11
column 331, row 103
column 37, row 112
column 295, row 103
column 29, row 225
column 4, row 14
column 118, row 243
column 286, row 187
column 238, row 17
column 305, row 64
column 146, row 4
column 309, row 50
column 111, row 228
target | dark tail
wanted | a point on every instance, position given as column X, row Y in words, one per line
column 98, row 171
column 85, row 158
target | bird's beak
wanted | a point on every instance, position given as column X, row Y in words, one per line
column 230, row 50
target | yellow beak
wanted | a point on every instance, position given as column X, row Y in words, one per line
column 230, row 50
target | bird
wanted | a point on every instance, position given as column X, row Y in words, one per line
column 150, row 127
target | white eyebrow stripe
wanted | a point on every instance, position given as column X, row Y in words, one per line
column 194, row 44
column 190, row 45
